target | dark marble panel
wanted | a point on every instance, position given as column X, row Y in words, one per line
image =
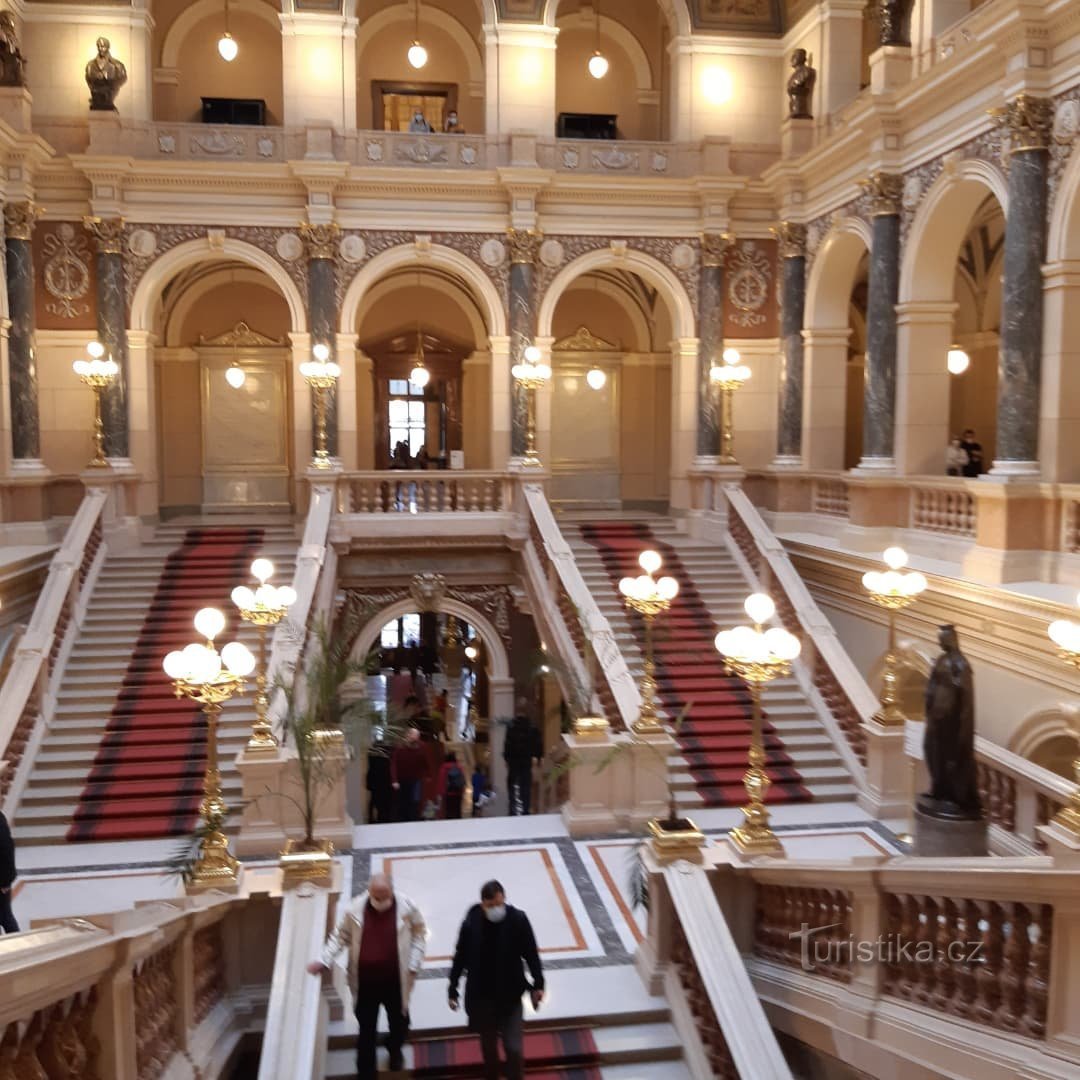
column 112, row 333
column 790, row 408
column 711, row 346
column 322, row 311
column 521, row 337
column 22, row 370
column 879, row 402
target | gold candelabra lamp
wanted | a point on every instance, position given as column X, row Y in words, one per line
column 893, row 591
column 757, row 656
column 649, row 597
column 322, row 375
column 264, row 608
column 1065, row 634
column 533, row 374
column 99, row 374
column 209, row 678
column 726, row 379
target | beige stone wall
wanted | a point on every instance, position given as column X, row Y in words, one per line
column 180, row 430
column 65, row 406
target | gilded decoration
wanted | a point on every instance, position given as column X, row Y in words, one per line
column 713, row 248
column 1028, row 122
column 19, row 218
column 239, row 336
column 791, row 238
column 321, row 241
column 584, row 340
column 886, row 191
column 524, row 245
column 108, row 234
column 66, row 272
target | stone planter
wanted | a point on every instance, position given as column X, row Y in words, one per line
column 678, row 839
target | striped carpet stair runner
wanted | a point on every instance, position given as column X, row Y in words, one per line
column 715, row 734
column 554, row 1054
column 147, row 778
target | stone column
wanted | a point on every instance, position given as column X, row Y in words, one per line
column 22, row 369
column 792, row 241
column 825, row 397
column 321, row 243
column 524, row 247
column 112, row 331
column 710, row 341
column 1029, row 121
column 879, row 402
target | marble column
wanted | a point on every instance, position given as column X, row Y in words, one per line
column 108, row 235
column 792, row 242
column 879, row 401
column 710, row 340
column 524, row 248
column 22, row 369
column 321, row 242
column 1029, row 121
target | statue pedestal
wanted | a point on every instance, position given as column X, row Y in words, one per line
column 16, row 107
column 796, row 136
column 937, row 838
column 106, row 132
column 890, row 67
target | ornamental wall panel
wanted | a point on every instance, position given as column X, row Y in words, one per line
column 65, row 286
column 751, row 306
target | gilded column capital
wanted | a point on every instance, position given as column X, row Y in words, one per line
column 886, row 191
column 713, row 246
column 791, row 237
column 524, row 245
column 108, row 234
column 19, row 219
column 320, row 241
column 1029, row 121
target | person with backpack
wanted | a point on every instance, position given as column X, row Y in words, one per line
column 451, row 786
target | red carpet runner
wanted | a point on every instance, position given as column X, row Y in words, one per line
column 559, row 1054
column 147, row 778
column 715, row 734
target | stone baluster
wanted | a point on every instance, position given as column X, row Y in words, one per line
column 710, row 340
column 792, row 240
column 22, row 370
column 1033, row 1022
column 1014, row 975
column 524, row 249
column 321, row 245
column 879, row 401
column 987, row 978
column 966, row 986
column 108, row 235
column 1028, row 121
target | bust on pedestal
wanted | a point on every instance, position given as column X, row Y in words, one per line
column 949, row 818
column 104, row 76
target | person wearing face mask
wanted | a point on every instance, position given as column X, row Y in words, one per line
column 386, row 936
column 495, row 945
column 418, row 125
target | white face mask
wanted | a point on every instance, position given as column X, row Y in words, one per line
column 381, row 905
column 496, row 914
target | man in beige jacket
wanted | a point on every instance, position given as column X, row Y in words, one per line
column 386, row 936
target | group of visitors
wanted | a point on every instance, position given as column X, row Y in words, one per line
column 420, row 125
column 385, row 936
column 964, row 455
column 403, row 458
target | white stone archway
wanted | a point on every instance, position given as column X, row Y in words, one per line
column 926, row 309
column 1059, row 407
column 826, row 335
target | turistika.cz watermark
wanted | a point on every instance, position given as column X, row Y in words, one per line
column 819, row 950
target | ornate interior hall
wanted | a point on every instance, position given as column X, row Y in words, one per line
column 586, row 486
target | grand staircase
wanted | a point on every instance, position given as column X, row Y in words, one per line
column 714, row 734
column 123, row 759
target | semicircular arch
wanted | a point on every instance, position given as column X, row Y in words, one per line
column 195, row 13
column 434, row 16
column 620, row 36
column 833, row 273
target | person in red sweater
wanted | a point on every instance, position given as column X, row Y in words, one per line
column 409, row 768
column 451, row 786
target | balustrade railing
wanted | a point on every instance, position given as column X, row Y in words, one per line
column 943, row 507
column 1070, row 523
column 830, row 496
column 133, row 996
column 423, row 492
column 29, row 690
column 784, row 912
column 846, row 699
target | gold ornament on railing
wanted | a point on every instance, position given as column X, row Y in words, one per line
column 532, row 374
column 726, row 379
column 892, row 591
column 649, row 597
column 209, row 678
column 1065, row 634
column 757, row 656
column 264, row 608
column 99, row 374
column 322, row 375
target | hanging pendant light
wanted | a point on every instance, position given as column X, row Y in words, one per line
column 235, row 376
column 596, row 378
column 418, row 55
column 226, row 46
column 598, row 62
column 419, row 376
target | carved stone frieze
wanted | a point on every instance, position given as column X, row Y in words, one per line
column 1063, row 146
column 428, row 591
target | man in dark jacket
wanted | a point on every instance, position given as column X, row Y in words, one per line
column 494, row 942
column 8, row 873
column 524, row 745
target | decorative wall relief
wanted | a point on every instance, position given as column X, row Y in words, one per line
column 1063, row 143
column 352, row 249
column 750, row 306
column 66, row 298
column 421, row 152
column 552, row 254
column 289, row 247
column 616, row 160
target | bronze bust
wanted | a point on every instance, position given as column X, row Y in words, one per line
column 800, row 86
column 12, row 61
column 949, row 742
column 104, row 75
column 890, row 15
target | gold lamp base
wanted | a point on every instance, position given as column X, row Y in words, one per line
column 648, row 725
column 306, row 864
column 217, row 867
column 754, row 837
